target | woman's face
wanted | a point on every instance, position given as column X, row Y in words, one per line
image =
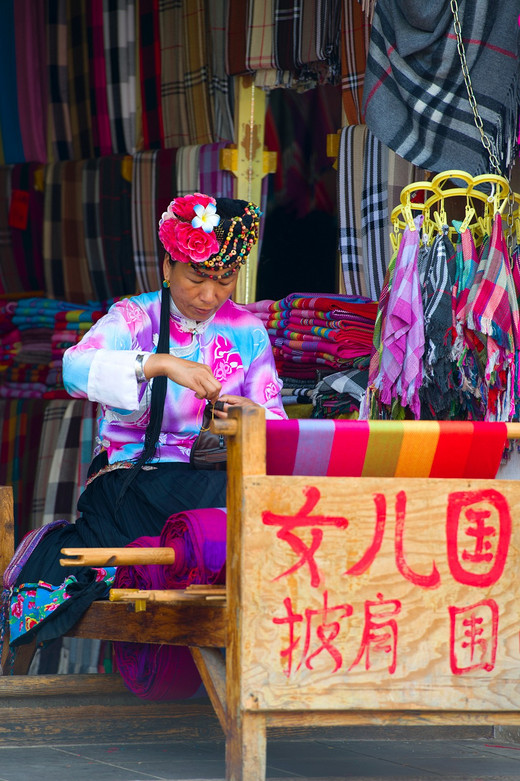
column 198, row 298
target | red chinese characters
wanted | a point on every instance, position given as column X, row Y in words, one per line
column 478, row 532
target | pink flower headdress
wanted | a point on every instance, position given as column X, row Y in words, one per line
column 192, row 232
column 186, row 228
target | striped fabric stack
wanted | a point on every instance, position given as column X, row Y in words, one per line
column 313, row 334
column 34, row 334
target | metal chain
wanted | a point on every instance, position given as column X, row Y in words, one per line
column 486, row 141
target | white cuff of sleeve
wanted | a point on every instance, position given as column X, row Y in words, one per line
column 112, row 379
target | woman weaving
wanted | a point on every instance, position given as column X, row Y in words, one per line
column 153, row 362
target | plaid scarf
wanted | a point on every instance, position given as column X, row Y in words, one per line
column 78, row 78
column 92, row 229
column 437, row 271
column 10, row 280
column 60, row 131
column 52, row 246
column 119, row 41
column 412, row 49
column 150, row 74
column 173, row 90
column 197, row 73
column 115, row 219
column 29, row 21
column 220, row 86
column 400, row 375
column 98, row 81
column 355, row 33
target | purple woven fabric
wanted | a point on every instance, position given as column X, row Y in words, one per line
column 403, row 334
column 198, row 537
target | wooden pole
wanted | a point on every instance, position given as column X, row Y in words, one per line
column 116, row 557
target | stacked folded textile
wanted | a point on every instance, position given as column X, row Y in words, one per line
column 198, row 537
column 34, row 334
column 312, row 334
column 340, row 394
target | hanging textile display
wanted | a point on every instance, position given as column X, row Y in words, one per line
column 60, row 131
column 402, row 336
column 98, row 92
column 413, row 47
column 150, row 75
column 78, row 81
column 31, row 85
column 369, row 183
column 355, row 37
column 446, row 337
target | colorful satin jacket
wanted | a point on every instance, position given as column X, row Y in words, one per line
column 233, row 343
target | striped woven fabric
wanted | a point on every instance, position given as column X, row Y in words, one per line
column 286, row 31
column 66, row 464
column 10, row 280
column 52, row 246
column 197, row 76
column 150, row 74
column 92, row 229
column 220, row 86
column 26, row 243
column 260, row 35
column 173, row 89
column 52, row 417
column 115, row 217
column 165, row 190
column 78, row 285
column 188, row 169
column 101, row 137
column 375, row 222
column 307, row 52
column 78, row 79
column 144, row 224
column 353, row 448
column 60, row 132
column 370, row 180
column 350, row 188
column 20, row 428
column 212, row 179
column 328, row 23
column 31, row 84
column 238, row 14
column 119, row 41
column 355, row 37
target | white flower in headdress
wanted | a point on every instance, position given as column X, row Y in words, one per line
column 206, row 217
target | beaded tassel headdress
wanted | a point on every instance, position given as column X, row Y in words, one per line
column 210, row 234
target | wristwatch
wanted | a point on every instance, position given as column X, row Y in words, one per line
column 139, row 369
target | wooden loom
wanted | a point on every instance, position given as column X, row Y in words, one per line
column 348, row 601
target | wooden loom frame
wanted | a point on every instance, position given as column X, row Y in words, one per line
column 208, row 625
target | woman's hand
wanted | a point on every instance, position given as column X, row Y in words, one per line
column 196, row 376
column 227, row 401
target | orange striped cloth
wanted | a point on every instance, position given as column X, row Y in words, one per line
column 353, row 448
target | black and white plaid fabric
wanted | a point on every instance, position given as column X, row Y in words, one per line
column 415, row 99
column 374, row 215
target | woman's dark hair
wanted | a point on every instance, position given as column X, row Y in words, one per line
column 158, row 396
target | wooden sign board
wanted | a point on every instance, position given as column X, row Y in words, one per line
column 380, row 593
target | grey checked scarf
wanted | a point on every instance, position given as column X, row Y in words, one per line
column 415, row 99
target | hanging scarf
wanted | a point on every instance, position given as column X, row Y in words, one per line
column 400, row 376
column 412, row 47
